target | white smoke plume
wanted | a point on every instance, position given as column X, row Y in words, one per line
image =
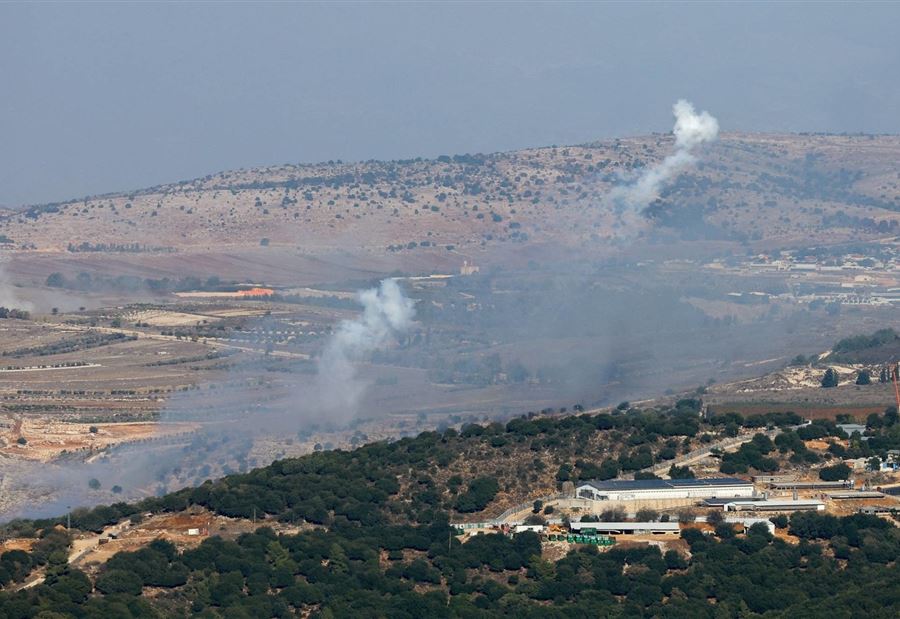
column 334, row 399
column 8, row 296
column 386, row 311
column 691, row 129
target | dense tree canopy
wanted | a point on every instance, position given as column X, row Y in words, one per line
column 380, row 542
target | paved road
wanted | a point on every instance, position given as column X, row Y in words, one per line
column 728, row 444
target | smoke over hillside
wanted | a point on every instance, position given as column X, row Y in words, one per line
column 691, row 130
column 386, row 311
column 225, row 433
column 8, row 296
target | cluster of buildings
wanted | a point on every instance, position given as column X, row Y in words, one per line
column 848, row 279
column 745, row 502
column 727, row 493
column 665, row 489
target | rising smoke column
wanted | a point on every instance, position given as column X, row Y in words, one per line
column 8, row 296
column 386, row 311
column 691, row 129
column 333, row 399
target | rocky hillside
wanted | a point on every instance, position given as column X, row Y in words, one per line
column 775, row 189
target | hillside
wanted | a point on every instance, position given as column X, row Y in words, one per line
column 780, row 189
column 376, row 541
column 769, row 247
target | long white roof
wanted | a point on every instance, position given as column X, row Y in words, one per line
column 665, row 484
column 625, row 526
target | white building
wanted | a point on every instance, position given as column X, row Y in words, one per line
column 775, row 505
column 661, row 489
column 625, row 528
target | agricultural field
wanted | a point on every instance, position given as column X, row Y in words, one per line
column 187, row 322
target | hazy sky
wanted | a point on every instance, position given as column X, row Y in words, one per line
column 103, row 97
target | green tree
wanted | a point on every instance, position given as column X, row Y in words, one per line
column 481, row 491
column 864, row 378
column 837, row 472
column 646, row 514
column 119, row 581
column 338, row 562
column 681, row 472
column 616, row 514
column 891, row 416
column 830, row 378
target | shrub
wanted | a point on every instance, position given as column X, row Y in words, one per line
column 119, row 581
column 481, row 491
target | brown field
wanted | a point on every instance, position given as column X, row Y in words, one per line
column 89, row 553
column 807, row 411
column 535, row 222
column 17, row 544
column 48, row 439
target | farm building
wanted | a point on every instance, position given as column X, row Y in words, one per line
column 625, row 528
column 774, row 505
column 811, row 485
column 773, row 479
column 875, row 510
column 854, row 495
column 661, row 489
column 719, row 502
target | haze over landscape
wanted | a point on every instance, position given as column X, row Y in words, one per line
column 101, row 98
column 452, row 310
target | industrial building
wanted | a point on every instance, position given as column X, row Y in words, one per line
column 664, row 489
